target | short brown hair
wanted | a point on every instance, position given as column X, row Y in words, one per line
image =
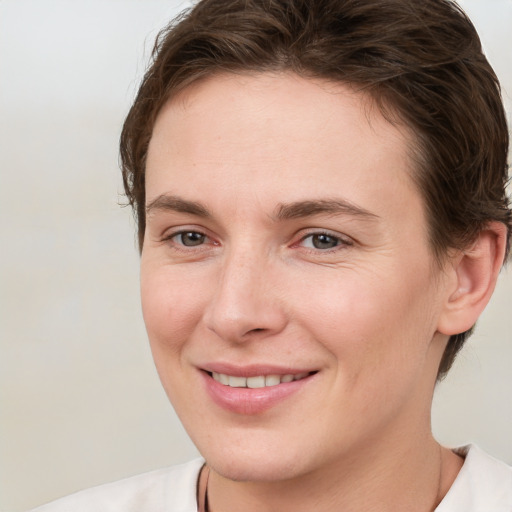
column 421, row 61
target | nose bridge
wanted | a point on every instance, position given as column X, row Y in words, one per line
column 244, row 302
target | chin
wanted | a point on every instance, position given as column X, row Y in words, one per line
column 253, row 469
column 250, row 455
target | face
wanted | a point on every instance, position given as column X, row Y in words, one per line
column 288, row 289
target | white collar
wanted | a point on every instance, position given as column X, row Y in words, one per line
column 484, row 484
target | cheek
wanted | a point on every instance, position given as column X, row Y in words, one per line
column 372, row 322
column 171, row 306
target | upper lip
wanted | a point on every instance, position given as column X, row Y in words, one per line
column 254, row 369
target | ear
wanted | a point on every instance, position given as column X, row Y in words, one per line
column 472, row 277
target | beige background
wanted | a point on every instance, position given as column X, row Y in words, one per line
column 80, row 402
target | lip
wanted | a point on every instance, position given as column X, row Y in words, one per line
column 254, row 369
column 247, row 401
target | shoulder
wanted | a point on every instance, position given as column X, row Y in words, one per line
column 165, row 490
column 484, row 484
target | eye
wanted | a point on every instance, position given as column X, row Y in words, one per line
column 189, row 238
column 322, row 241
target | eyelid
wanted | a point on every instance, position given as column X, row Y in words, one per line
column 171, row 233
column 344, row 240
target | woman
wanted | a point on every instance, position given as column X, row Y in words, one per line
column 320, row 195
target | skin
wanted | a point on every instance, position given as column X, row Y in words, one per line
column 364, row 314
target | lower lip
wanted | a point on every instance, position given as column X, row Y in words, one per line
column 249, row 401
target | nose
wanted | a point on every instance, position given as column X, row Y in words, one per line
column 246, row 303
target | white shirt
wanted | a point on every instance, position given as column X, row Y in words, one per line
column 484, row 484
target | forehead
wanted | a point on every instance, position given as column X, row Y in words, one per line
column 277, row 134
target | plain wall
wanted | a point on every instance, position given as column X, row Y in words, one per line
column 80, row 402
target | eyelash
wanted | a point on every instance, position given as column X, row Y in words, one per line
column 181, row 246
column 340, row 241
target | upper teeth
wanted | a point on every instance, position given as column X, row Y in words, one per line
column 259, row 381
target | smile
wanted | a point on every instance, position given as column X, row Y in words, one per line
column 254, row 390
column 257, row 381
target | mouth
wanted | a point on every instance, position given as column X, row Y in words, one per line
column 253, row 390
column 257, row 381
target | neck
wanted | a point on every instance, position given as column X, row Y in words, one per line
column 400, row 477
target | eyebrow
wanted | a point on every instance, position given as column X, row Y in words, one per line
column 300, row 209
column 177, row 204
column 286, row 211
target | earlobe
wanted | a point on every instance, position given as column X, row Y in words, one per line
column 474, row 272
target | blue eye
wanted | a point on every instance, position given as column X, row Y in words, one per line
column 321, row 241
column 190, row 238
